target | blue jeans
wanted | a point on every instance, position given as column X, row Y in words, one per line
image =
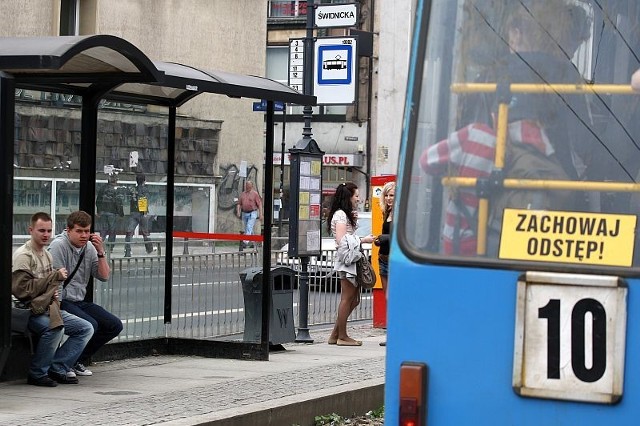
column 384, row 267
column 49, row 355
column 106, row 326
column 249, row 220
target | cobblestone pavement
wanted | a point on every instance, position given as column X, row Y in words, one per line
column 167, row 404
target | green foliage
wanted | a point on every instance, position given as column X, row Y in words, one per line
column 328, row 419
column 377, row 413
column 334, row 419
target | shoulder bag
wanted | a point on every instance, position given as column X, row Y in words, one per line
column 365, row 275
column 68, row 280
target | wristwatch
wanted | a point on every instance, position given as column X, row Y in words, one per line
column 100, row 255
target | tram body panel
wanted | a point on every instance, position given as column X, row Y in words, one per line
column 461, row 323
column 515, row 252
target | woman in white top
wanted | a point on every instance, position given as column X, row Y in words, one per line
column 342, row 219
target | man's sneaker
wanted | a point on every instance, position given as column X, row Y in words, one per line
column 63, row 378
column 42, row 381
column 71, row 374
column 81, row 370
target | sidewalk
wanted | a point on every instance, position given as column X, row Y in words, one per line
column 295, row 385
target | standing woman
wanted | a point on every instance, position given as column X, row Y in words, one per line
column 383, row 240
column 342, row 221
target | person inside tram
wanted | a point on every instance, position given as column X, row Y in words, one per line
column 539, row 130
column 543, row 39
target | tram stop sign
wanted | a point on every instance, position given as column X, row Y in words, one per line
column 335, row 77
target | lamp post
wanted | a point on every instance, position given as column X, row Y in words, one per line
column 305, row 217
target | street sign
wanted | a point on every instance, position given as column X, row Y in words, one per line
column 334, row 80
column 296, row 63
column 336, row 15
column 262, row 105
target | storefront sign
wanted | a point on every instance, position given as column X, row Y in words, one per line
column 328, row 160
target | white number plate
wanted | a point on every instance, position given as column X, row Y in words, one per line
column 570, row 337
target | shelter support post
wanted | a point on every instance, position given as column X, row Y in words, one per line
column 89, row 135
column 267, row 216
column 7, row 124
column 171, row 177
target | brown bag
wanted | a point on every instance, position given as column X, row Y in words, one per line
column 365, row 275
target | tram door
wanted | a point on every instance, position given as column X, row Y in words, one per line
column 513, row 288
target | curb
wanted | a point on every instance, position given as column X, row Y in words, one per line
column 346, row 400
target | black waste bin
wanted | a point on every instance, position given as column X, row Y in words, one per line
column 281, row 327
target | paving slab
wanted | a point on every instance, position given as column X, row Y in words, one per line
column 176, row 390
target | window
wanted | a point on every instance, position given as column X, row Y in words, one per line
column 69, row 17
column 278, row 63
column 287, row 8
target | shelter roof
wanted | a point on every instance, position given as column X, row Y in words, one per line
column 78, row 64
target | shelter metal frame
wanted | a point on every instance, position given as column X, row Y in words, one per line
column 107, row 67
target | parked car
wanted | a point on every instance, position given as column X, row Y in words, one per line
column 321, row 275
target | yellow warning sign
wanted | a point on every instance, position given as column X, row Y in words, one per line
column 568, row 237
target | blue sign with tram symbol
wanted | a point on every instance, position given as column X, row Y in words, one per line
column 262, row 105
column 334, row 64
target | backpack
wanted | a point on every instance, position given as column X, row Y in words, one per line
column 525, row 162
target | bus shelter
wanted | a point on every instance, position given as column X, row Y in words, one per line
column 101, row 67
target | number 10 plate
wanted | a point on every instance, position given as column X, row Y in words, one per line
column 570, row 337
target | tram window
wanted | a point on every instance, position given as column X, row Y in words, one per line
column 581, row 143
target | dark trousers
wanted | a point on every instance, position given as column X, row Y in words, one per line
column 106, row 326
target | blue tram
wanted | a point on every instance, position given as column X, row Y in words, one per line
column 513, row 295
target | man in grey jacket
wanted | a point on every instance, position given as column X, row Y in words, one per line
column 71, row 249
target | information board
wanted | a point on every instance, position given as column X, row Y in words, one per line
column 310, row 191
column 305, row 218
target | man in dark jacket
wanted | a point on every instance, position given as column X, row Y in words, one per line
column 139, row 215
column 109, row 207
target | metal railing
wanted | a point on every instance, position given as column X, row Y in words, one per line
column 207, row 293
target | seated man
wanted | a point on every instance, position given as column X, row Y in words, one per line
column 78, row 247
column 35, row 284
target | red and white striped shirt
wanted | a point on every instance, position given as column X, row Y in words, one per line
column 470, row 152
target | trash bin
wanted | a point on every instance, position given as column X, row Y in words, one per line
column 281, row 327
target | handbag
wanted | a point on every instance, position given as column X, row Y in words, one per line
column 20, row 323
column 20, row 320
column 365, row 275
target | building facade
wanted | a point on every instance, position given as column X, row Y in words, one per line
column 221, row 141
column 343, row 132
column 216, row 135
